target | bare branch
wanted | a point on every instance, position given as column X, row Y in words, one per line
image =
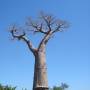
column 45, row 39
column 14, row 32
column 48, row 20
column 53, row 24
column 46, row 25
column 60, row 26
column 38, row 27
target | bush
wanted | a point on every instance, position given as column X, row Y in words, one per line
column 63, row 86
column 7, row 87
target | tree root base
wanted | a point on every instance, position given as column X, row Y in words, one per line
column 41, row 88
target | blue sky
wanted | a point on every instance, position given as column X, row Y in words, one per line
column 68, row 58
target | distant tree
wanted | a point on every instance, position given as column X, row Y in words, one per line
column 7, row 87
column 63, row 86
column 57, row 88
column 47, row 26
column 1, row 87
column 24, row 89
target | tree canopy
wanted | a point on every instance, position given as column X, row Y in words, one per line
column 46, row 25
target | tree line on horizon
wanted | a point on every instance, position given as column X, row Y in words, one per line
column 63, row 86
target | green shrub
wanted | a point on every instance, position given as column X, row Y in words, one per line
column 7, row 87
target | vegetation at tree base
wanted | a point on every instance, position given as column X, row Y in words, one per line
column 62, row 87
column 7, row 87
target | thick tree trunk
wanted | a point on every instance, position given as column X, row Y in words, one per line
column 40, row 71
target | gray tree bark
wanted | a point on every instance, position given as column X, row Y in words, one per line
column 40, row 81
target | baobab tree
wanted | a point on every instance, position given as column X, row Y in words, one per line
column 47, row 26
